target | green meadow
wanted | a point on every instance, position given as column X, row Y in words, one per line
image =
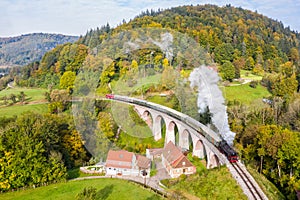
column 245, row 94
column 10, row 111
column 32, row 94
column 106, row 189
column 34, row 101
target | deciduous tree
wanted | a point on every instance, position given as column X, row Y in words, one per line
column 227, row 71
column 67, row 80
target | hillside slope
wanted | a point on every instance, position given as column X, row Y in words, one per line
column 246, row 39
column 24, row 49
column 244, row 33
column 236, row 39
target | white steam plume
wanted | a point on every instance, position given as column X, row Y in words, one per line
column 209, row 95
column 166, row 44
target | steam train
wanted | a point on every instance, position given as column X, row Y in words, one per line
column 210, row 135
column 228, row 151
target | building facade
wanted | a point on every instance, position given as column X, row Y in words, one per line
column 126, row 163
column 175, row 162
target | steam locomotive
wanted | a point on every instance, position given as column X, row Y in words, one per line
column 210, row 135
column 229, row 152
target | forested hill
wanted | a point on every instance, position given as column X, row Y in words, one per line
column 24, row 49
column 243, row 32
column 246, row 39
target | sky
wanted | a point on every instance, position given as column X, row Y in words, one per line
column 75, row 17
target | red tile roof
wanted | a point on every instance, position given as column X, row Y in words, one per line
column 143, row 162
column 156, row 151
column 119, row 159
column 175, row 157
column 120, row 155
column 182, row 162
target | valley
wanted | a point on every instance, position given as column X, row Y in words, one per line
column 232, row 71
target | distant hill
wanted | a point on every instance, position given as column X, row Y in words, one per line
column 24, row 49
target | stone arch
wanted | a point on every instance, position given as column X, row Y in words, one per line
column 171, row 126
column 214, row 161
column 199, row 149
column 147, row 117
column 159, row 127
column 172, row 133
column 191, row 144
column 185, row 140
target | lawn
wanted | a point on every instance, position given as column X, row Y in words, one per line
column 10, row 111
column 32, row 94
column 245, row 94
column 76, row 173
column 207, row 184
column 106, row 189
column 248, row 75
column 35, row 101
column 216, row 183
column 141, row 86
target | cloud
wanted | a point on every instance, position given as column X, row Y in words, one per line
column 77, row 16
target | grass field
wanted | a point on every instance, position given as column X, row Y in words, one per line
column 106, row 188
column 248, row 75
column 10, row 111
column 207, row 184
column 32, row 94
column 142, row 84
column 76, row 173
column 216, row 183
column 35, row 101
column 245, row 94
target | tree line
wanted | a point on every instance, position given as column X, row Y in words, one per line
column 268, row 139
column 38, row 149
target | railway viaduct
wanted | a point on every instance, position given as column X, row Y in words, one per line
column 202, row 148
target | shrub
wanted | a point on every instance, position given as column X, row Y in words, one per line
column 88, row 193
column 253, row 84
column 182, row 177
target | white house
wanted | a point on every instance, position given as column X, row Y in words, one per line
column 126, row 163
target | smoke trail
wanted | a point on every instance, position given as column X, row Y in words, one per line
column 166, row 45
column 209, row 95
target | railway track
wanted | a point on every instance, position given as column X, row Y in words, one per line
column 254, row 192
